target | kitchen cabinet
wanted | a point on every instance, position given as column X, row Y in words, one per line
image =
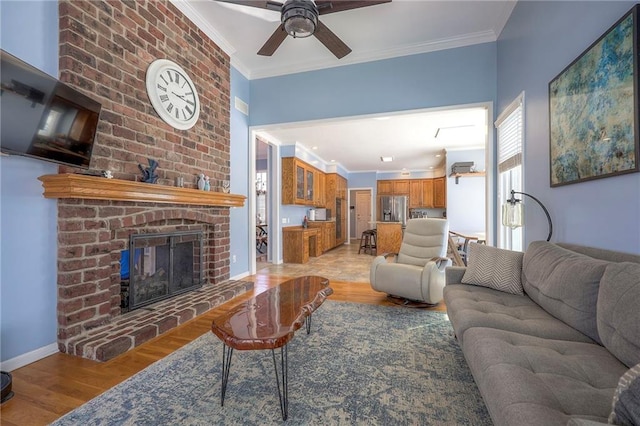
column 327, row 233
column 385, row 187
column 415, row 193
column 299, row 243
column 422, row 192
column 319, row 189
column 301, row 183
column 427, row 193
column 440, row 192
column 341, row 188
column 401, row 187
column 394, row 187
column 331, row 182
column 336, row 194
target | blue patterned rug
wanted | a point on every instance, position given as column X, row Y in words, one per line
column 361, row 364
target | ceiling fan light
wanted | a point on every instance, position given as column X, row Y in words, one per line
column 300, row 18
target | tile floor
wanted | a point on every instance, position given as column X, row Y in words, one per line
column 343, row 263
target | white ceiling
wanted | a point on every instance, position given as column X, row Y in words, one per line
column 399, row 28
column 415, row 141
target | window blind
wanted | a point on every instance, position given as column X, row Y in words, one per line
column 510, row 128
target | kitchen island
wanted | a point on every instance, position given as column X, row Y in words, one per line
column 388, row 237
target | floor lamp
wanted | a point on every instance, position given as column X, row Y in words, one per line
column 513, row 212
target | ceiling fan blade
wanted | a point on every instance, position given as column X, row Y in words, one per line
column 331, row 41
column 332, row 6
column 274, row 41
column 261, row 4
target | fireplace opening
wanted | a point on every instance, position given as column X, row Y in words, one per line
column 159, row 266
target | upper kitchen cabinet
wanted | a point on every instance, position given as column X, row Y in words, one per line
column 394, row 187
column 420, row 193
column 401, row 187
column 385, row 187
column 423, row 193
column 331, row 188
column 341, row 189
column 440, row 192
column 301, row 183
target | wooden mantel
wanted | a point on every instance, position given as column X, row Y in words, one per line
column 69, row 185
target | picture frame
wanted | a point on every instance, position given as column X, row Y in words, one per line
column 593, row 109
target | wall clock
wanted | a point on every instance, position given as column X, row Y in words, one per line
column 172, row 94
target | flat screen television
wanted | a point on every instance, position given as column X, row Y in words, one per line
column 43, row 118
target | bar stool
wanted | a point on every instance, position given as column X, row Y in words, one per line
column 368, row 241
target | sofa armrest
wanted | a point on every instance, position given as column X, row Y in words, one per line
column 454, row 274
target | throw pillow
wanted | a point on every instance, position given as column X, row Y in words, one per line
column 495, row 268
column 626, row 399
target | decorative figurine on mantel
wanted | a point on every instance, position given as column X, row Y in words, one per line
column 149, row 173
column 207, row 184
column 201, row 181
column 226, row 186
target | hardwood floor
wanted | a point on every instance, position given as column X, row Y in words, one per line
column 47, row 389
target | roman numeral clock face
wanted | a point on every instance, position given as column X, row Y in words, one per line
column 172, row 94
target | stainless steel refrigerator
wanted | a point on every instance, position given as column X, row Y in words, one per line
column 394, row 208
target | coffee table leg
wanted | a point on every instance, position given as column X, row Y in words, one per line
column 307, row 322
column 284, row 395
column 227, row 351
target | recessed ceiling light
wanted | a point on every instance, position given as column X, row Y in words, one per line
column 431, row 167
column 333, row 161
column 386, row 159
column 438, row 155
column 314, row 147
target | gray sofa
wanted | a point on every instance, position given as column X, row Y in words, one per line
column 554, row 354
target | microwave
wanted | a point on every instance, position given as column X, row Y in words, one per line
column 323, row 214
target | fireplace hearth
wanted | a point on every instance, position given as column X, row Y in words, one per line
column 159, row 266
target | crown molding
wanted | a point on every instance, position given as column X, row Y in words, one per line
column 190, row 12
column 356, row 58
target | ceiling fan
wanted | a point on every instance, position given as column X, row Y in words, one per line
column 299, row 18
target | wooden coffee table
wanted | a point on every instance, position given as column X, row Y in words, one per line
column 269, row 321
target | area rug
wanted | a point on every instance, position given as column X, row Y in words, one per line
column 361, row 365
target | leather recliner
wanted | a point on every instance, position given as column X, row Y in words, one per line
column 416, row 273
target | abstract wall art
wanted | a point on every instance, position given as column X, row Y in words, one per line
column 594, row 107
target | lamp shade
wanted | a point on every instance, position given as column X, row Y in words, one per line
column 512, row 215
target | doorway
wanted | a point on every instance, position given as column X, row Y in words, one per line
column 361, row 210
column 262, row 185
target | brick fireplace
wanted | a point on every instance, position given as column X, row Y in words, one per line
column 92, row 233
column 105, row 49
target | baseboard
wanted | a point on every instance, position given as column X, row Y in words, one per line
column 33, row 356
column 239, row 276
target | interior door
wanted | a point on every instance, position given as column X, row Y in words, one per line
column 363, row 212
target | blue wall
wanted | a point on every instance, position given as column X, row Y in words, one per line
column 28, row 222
column 239, row 172
column 465, row 75
column 449, row 77
column 539, row 41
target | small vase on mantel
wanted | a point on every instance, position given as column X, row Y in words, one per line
column 201, row 181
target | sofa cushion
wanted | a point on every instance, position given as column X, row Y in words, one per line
column 472, row 306
column 528, row 380
column 564, row 283
column 626, row 399
column 495, row 268
column 619, row 311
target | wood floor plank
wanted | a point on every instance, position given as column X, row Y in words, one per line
column 47, row 389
